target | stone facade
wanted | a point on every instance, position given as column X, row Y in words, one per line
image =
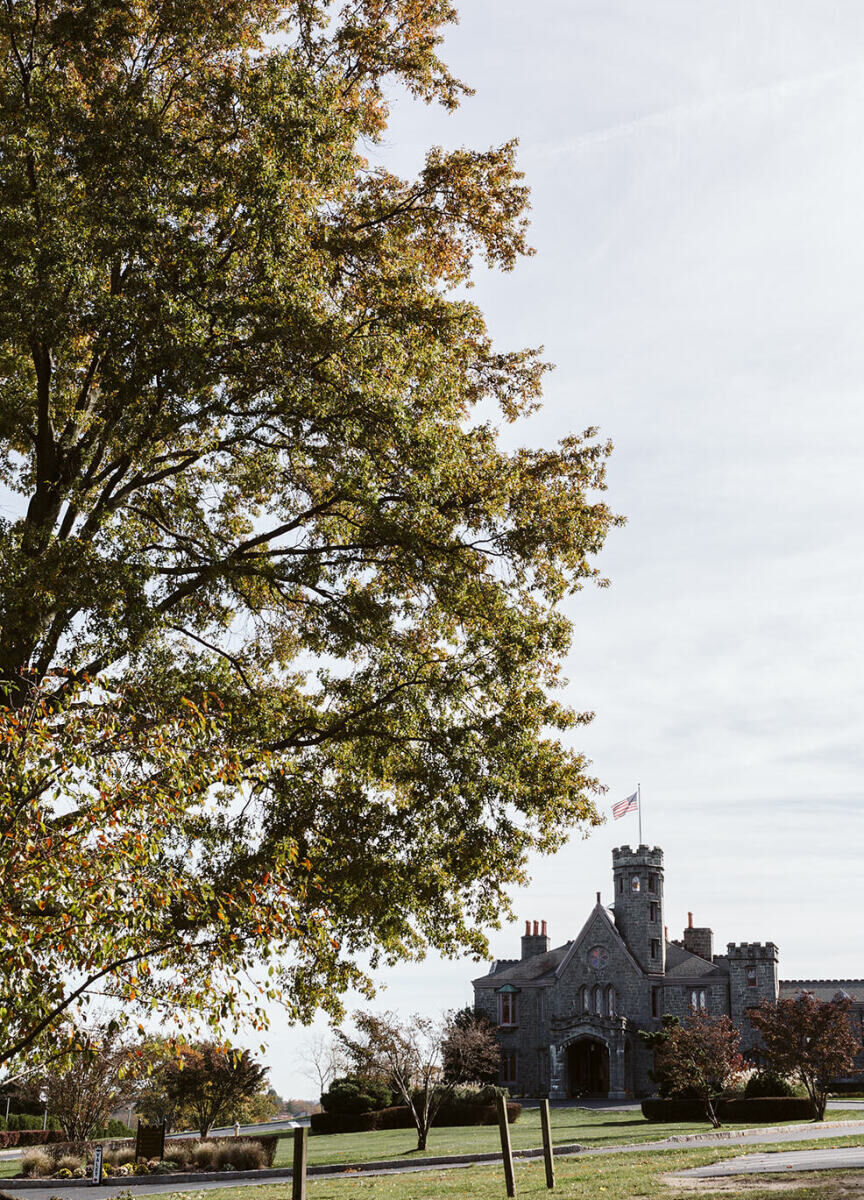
column 568, row 1018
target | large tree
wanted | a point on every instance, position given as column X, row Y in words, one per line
column 280, row 616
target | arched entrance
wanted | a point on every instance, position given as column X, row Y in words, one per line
column 587, row 1068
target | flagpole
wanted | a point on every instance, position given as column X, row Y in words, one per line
column 639, row 809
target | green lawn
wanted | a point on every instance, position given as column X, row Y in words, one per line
column 586, row 1126
column 638, row 1176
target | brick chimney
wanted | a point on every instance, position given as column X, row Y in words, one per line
column 698, row 939
column 534, row 940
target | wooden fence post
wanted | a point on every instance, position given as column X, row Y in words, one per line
column 547, row 1144
column 298, row 1173
column 506, row 1150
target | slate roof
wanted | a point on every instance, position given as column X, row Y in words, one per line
column 680, row 963
column 527, row 970
column 823, row 989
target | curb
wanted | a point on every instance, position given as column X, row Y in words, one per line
column 679, row 1138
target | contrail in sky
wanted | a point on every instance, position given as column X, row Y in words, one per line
column 781, row 90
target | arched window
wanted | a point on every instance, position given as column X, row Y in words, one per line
column 598, row 1000
column 583, row 999
column 610, row 1001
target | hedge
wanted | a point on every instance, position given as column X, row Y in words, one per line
column 757, row 1110
column 41, row 1137
column 399, row 1117
column 30, row 1137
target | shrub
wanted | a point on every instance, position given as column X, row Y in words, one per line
column 113, row 1129
column 36, row 1164
column 399, row 1117
column 181, row 1152
column 767, row 1108
column 354, row 1094
column 204, row 1156
column 67, row 1162
column 766, row 1083
column 24, row 1121
column 243, row 1154
column 756, row 1110
column 120, row 1156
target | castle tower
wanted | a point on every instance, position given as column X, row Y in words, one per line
column 753, row 977
column 638, row 882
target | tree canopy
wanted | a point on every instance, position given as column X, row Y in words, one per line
column 281, row 619
column 810, row 1040
column 700, row 1058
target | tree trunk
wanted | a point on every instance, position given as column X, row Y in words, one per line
column 711, row 1112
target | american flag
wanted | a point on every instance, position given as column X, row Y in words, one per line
column 623, row 807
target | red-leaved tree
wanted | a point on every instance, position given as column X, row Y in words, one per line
column 701, row 1058
column 811, row 1040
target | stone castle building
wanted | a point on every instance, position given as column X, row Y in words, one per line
column 568, row 1018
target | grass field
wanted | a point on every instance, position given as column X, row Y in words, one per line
column 633, row 1176
column 588, row 1127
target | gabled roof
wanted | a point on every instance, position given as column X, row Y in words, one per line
column 598, row 911
column 681, row 963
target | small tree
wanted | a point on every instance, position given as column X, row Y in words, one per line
column 700, row 1058
column 470, row 1050
column 409, row 1056
column 322, row 1060
column 809, row 1039
column 212, row 1083
column 97, row 1077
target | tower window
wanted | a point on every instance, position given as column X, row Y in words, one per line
column 620, row 885
column 635, row 884
column 751, row 977
column 655, row 947
column 652, row 883
column 655, row 1002
column 653, row 911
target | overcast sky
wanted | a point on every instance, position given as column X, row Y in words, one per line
column 697, row 171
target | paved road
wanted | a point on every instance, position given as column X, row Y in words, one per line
column 837, row 1158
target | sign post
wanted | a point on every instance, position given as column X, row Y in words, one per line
column 96, row 1177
